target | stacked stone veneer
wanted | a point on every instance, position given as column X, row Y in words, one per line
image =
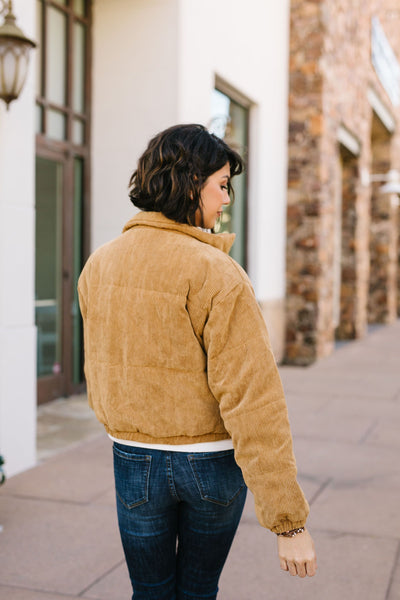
column 382, row 298
column 330, row 74
column 351, row 314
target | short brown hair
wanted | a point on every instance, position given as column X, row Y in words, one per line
column 173, row 169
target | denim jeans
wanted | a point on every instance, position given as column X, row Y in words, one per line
column 178, row 513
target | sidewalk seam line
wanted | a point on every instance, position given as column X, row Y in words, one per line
column 54, row 500
column 319, row 491
column 370, row 429
column 358, row 534
column 87, row 588
column 39, row 591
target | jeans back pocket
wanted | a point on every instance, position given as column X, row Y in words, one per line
column 217, row 475
column 132, row 474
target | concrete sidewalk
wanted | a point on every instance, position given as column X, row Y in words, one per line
column 60, row 538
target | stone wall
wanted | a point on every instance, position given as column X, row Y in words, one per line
column 330, row 75
column 382, row 297
column 306, row 125
column 350, row 317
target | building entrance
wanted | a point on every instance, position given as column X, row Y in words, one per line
column 59, row 244
column 346, row 317
column 62, row 191
column 383, row 233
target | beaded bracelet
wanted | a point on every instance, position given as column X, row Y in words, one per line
column 292, row 532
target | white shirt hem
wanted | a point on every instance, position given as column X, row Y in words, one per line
column 217, row 446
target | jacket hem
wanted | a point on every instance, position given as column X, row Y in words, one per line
column 173, row 440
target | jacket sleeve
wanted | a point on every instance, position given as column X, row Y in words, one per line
column 243, row 376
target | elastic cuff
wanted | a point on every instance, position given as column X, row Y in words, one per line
column 288, row 526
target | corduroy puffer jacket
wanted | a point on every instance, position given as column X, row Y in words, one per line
column 177, row 352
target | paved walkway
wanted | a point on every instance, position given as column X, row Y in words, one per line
column 60, row 537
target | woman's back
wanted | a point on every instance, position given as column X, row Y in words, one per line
column 148, row 295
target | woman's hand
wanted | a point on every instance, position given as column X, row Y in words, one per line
column 297, row 554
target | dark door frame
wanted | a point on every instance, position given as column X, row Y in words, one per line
column 66, row 152
column 57, row 385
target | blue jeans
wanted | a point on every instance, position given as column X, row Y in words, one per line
column 178, row 513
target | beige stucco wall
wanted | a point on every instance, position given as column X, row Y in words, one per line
column 135, row 90
column 274, row 315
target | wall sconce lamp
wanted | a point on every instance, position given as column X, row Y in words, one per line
column 14, row 55
column 391, row 181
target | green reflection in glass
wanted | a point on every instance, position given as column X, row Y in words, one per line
column 77, row 341
column 56, row 56
column 230, row 122
column 56, row 125
column 39, row 118
column 78, row 132
column 79, row 67
column 80, row 7
column 48, row 290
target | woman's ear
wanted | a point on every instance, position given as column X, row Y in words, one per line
column 191, row 193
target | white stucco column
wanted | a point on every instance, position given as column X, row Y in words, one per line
column 17, row 256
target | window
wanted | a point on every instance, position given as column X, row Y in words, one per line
column 62, row 67
column 230, row 122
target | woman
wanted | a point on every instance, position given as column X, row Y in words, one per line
column 180, row 372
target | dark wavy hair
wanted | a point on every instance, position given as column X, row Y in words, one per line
column 174, row 168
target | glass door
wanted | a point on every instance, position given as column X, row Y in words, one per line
column 60, row 234
column 48, row 278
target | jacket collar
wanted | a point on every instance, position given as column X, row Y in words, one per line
column 222, row 241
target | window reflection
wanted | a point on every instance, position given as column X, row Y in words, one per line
column 48, row 266
column 56, row 56
column 230, row 122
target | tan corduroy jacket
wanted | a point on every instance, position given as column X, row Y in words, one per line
column 177, row 352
